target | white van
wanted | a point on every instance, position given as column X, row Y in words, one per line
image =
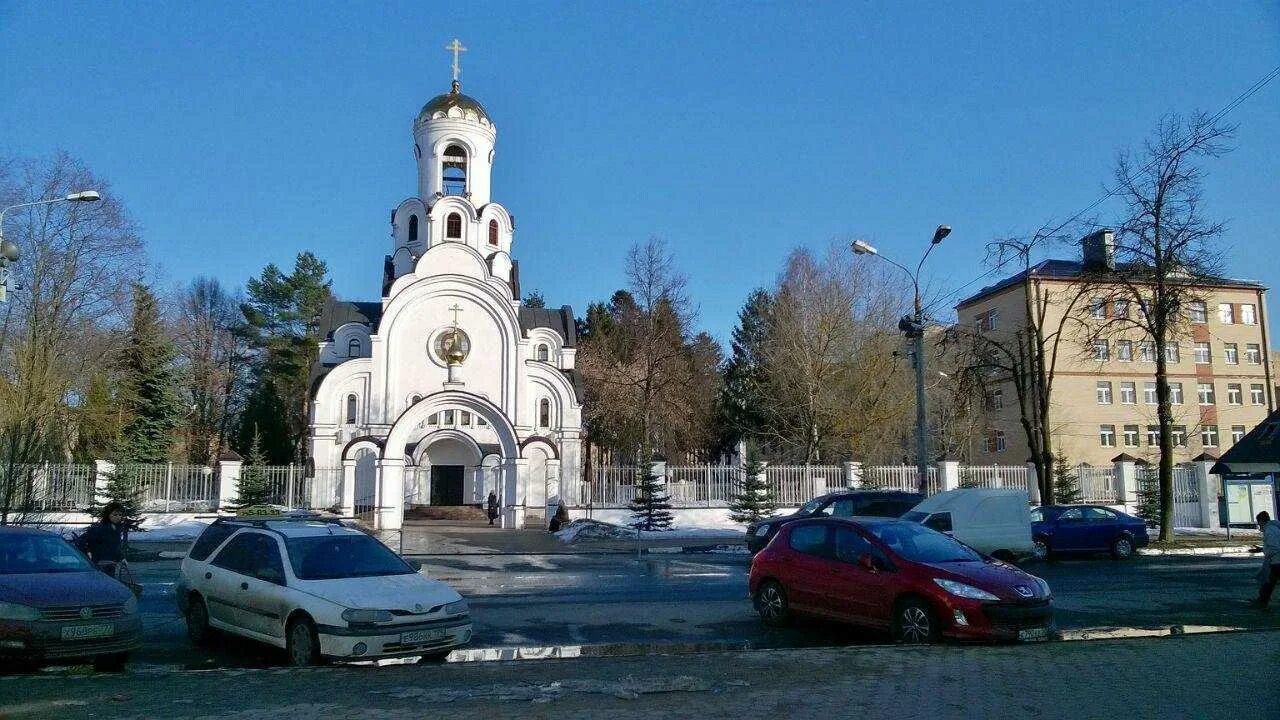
column 991, row 521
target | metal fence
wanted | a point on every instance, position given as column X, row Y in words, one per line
column 50, row 487
column 1098, row 484
column 703, row 485
column 900, row 477
column 994, row 476
column 289, row 486
column 797, row 484
column 1186, row 492
column 173, row 488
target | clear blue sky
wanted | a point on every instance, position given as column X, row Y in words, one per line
column 242, row 134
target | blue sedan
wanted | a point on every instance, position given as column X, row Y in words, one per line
column 1064, row 529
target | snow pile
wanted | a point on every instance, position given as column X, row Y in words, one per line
column 170, row 529
column 585, row 529
column 593, row 530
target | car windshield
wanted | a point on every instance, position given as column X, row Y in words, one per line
column 328, row 557
column 810, row 507
column 920, row 544
column 20, row 554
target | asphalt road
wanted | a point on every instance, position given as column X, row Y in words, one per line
column 699, row 600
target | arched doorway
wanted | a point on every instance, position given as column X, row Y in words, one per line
column 366, row 485
column 447, row 471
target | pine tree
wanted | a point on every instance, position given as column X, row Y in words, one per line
column 969, row 478
column 148, row 384
column 1148, row 500
column 651, row 507
column 755, row 501
column 124, row 489
column 253, row 488
column 1066, row 482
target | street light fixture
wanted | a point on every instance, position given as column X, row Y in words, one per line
column 913, row 327
column 9, row 252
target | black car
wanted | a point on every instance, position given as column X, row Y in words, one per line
column 845, row 503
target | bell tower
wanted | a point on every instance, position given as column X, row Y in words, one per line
column 453, row 143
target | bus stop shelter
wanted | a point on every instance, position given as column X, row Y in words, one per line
column 1249, row 471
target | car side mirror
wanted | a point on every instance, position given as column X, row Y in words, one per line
column 415, row 564
column 867, row 562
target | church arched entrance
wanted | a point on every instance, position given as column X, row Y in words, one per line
column 447, row 472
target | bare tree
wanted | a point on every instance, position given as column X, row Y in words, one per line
column 78, row 261
column 215, row 362
column 1164, row 256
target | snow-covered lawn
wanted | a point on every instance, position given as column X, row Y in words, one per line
column 584, row 529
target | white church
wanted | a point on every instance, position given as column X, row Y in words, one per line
column 448, row 388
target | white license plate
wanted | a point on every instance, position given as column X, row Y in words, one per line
column 421, row 636
column 1033, row 634
column 84, row 632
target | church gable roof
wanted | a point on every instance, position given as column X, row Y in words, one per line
column 337, row 313
column 560, row 321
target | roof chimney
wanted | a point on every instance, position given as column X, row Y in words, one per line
column 1099, row 250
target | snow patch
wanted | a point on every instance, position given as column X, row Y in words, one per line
column 587, row 529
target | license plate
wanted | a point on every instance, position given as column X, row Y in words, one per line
column 1033, row 634
column 84, row 632
column 421, row 636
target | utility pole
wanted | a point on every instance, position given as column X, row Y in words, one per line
column 913, row 327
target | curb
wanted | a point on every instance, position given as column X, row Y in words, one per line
column 1215, row 550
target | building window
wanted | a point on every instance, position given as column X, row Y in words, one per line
column 1120, row 309
column 1205, row 392
column 1232, row 353
column 1153, row 435
column 1128, row 392
column 1226, row 314
column 544, row 413
column 1175, row 393
column 1235, row 395
column 993, row 320
column 493, row 232
column 1107, row 434
column 1124, row 350
column 997, row 399
column 1248, row 315
column 1171, row 353
column 413, row 228
column 453, row 226
column 1146, row 351
column 454, row 170
column 1197, row 311
column 543, row 353
column 1131, row 436
column 1203, row 353
column 1253, row 354
column 1000, row 446
column 1098, row 308
column 1101, row 351
column 1237, row 433
column 351, row 409
column 353, row 347
column 480, row 421
column 466, row 419
column 1209, row 436
column 1257, row 393
column 415, row 399
column 1180, row 436
column 1104, row 393
column 1149, row 393
column 434, row 419
column 446, row 418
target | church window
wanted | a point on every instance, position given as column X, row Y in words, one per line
column 448, row 417
column 466, row 419
column 481, row 422
column 544, row 413
column 493, row 232
column 453, row 226
column 434, row 419
column 455, row 170
column 351, row 409
column 413, row 228
column 353, row 347
column 415, row 399
column 543, row 353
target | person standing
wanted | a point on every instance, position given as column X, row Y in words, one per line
column 104, row 541
column 491, row 506
column 1269, row 573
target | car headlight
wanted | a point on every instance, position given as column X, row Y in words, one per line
column 131, row 605
column 365, row 617
column 762, row 531
column 1044, row 586
column 457, row 607
column 14, row 611
column 959, row 589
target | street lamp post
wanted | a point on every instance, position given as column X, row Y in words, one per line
column 913, row 327
column 9, row 252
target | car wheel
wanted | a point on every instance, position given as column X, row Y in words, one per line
column 111, row 663
column 302, row 643
column 1041, row 549
column 914, row 624
column 198, row 630
column 1122, row 548
column 771, row 603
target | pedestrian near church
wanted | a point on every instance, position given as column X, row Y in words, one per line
column 1269, row 573
column 104, row 541
column 491, row 506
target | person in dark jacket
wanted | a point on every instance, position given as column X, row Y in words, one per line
column 559, row 519
column 104, row 541
column 491, row 506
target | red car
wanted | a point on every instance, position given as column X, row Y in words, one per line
column 918, row 583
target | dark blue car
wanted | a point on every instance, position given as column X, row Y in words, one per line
column 1079, row 529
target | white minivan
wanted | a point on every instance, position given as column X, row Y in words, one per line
column 996, row 522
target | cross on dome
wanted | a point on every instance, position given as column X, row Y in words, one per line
column 457, row 49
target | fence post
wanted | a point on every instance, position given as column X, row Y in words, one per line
column 1033, row 484
column 230, row 464
column 348, row 500
column 1207, row 486
column 948, row 474
column 1126, row 471
column 101, row 476
column 847, row 473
